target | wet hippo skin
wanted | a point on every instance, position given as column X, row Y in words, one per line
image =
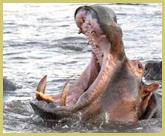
column 111, row 87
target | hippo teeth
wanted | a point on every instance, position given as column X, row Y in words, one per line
column 42, row 85
column 42, row 96
column 93, row 39
column 80, row 20
column 95, row 46
column 40, row 93
column 88, row 22
column 92, row 33
column 64, row 94
column 103, row 35
column 80, row 31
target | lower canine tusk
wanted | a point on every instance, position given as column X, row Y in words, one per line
column 42, row 85
column 44, row 97
column 64, row 94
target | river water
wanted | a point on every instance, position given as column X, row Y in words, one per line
column 42, row 39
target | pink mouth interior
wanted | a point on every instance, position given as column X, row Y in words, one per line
column 100, row 44
column 90, row 28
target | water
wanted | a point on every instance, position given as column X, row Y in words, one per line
column 41, row 39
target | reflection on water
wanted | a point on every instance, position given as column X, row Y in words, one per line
column 42, row 39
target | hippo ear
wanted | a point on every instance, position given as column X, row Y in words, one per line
column 146, row 93
column 153, row 87
column 149, row 89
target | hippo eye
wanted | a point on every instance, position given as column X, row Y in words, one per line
column 139, row 66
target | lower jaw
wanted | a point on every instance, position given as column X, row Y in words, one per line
column 98, row 86
column 107, row 66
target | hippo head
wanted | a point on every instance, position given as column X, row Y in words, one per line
column 111, row 87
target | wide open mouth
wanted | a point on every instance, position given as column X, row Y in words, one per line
column 88, row 23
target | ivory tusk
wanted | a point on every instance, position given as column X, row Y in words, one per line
column 103, row 36
column 80, row 31
column 42, row 85
column 44, row 97
column 64, row 94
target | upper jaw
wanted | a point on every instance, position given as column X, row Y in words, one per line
column 96, row 38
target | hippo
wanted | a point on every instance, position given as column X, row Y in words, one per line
column 153, row 71
column 111, row 87
column 8, row 85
